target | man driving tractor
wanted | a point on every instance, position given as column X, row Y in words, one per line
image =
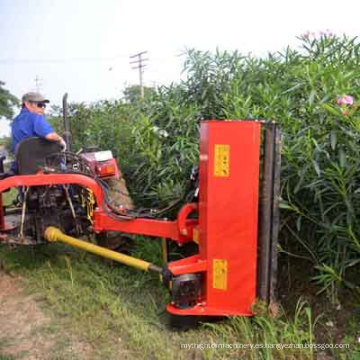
column 31, row 122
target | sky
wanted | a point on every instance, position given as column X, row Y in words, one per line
column 83, row 47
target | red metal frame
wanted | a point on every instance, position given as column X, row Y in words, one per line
column 180, row 230
column 41, row 179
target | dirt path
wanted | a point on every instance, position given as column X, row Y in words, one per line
column 27, row 333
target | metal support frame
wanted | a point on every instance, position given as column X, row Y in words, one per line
column 269, row 214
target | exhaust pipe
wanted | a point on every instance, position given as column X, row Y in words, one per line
column 67, row 134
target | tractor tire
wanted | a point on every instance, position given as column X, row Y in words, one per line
column 120, row 199
column 115, row 241
column 119, row 194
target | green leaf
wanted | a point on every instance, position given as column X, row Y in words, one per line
column 285, row 205
column 331, row 109
column 316, row 167
column 298, row 223
column 342, row 157
column 312, row 97
column 333, row 139
column 293, row 88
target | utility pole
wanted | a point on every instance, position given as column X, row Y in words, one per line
column 140, row 65
column 37, row 83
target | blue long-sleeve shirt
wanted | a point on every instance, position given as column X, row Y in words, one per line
column 28, row 124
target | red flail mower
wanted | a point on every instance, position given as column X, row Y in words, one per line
column 231, row 225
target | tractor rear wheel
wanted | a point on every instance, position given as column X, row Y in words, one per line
column 119, row 194
column 115, row 241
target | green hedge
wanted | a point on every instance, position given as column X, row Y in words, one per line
column 156, row 140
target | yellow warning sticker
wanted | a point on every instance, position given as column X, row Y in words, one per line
column 220, row 274
column 222, row 160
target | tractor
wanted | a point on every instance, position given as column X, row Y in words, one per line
column 232, row 220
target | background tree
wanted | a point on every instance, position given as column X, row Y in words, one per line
column 7, row 101
column 132, row 93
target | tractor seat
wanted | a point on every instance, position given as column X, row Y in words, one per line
column 32, row 154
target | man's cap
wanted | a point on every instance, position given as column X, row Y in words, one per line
column 34, row 97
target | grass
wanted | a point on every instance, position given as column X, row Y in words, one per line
column 119, row 310
column 9, row 196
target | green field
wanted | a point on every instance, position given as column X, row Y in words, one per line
column 114, row 308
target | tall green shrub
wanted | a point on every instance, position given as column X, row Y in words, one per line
column 156, row 140
column 320, row 173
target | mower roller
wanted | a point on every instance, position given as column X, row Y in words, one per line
column 232, row 222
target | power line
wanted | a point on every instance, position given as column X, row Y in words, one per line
column 63, row 60
column 140, row 66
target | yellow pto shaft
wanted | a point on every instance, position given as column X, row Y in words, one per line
column 52, row 234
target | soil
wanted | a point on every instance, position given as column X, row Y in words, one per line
column 26, row 330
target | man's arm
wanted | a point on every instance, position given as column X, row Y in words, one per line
column 53, row 136
column 43, row 129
